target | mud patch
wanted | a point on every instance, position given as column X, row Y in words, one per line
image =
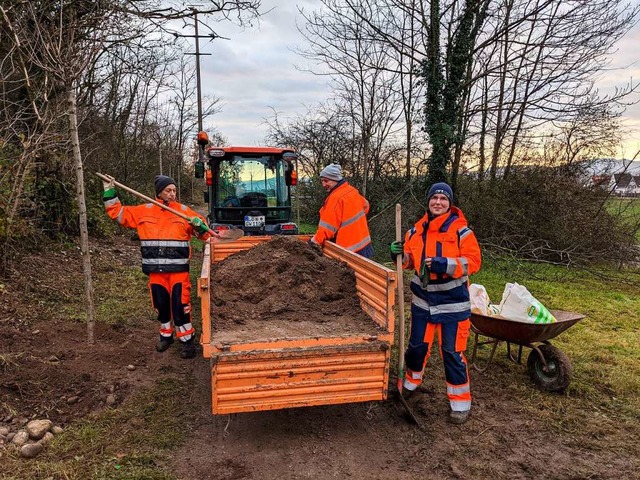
column 47, row 368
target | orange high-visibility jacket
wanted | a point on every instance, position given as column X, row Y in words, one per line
column 455, row 255
column 344, row 217
column 164, row 237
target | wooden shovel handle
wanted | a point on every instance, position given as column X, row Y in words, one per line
column 142, row 196
column 400, row 295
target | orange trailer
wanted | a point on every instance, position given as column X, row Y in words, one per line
column 275, row 373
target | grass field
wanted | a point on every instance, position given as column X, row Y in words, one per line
column 628, row 209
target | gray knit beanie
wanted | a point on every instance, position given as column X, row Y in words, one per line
column 332, row 171
column 162, row 182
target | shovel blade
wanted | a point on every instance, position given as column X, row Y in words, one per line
column 228, row 235
column 409, row 414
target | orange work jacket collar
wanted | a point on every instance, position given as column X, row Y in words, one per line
column 168, row 204
column 337, row 186
column 175, row 205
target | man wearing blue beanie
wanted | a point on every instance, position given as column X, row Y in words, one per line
column 443, row 252
column 343, row 217
column 166, row 249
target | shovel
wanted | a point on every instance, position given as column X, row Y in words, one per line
column 410, row 415
column 227, row 235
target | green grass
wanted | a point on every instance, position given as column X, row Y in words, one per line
column 628, row 209
column 114, row 303
column 307, row 228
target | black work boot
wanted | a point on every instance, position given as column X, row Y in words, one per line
column 164, row 343
column 188, row 349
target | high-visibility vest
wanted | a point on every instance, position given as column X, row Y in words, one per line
column 164, row 237
column 343, row 217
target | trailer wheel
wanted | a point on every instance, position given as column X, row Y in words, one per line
column 557, row 376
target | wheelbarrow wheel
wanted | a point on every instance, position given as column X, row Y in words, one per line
column 557, row 376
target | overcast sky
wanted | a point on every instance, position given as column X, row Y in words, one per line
column 255, row 72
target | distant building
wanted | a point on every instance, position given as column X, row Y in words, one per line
column 621, row 184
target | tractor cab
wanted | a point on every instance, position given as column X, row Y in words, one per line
column 250, row 187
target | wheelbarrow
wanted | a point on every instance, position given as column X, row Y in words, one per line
column 548, row 367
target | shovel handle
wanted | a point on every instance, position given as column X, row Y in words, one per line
column 142, row 196
column 400, row 296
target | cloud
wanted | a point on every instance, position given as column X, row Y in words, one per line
column 255, row 72
column 623, row 69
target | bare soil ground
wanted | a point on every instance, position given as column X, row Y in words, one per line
column 516, row 432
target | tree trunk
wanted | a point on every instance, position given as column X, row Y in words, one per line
column 14, row 201
column 82, row 207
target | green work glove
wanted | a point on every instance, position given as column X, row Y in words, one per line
column 424, row 274
column 199, row 225
column 109, row 188
column 396, row 248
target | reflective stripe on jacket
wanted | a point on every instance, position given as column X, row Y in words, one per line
column 455, row 255
column 164, row 237
column 344, row 217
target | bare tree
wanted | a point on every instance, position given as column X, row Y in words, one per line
column 496, row 71
column 365, row 83
column 320, row 136
column 541, row 66
column 60, row 40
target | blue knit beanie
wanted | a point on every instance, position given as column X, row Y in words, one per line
column 332, row 171
column 162, row 182
column 441, row 188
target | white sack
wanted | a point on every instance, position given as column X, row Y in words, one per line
column 519, row 305
column 479, row 299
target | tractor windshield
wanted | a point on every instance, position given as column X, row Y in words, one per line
column 256, row 182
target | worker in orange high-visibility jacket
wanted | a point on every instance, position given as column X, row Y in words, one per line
column 343, row 217
column 165, row 246
column 444, row 252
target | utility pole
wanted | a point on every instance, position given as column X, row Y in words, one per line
column 197, row 53
column 198, row 84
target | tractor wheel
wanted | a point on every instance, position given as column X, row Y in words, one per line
column 557, row 376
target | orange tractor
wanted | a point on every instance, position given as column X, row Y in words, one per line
column 248, row 187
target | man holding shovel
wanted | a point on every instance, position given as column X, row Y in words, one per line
column 165, row 244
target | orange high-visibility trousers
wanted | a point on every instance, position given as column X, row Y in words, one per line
column 452, row 338
column 171, row 298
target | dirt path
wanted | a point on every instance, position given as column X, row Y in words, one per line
column 374, row 441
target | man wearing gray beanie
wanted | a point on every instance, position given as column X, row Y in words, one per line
column 343, row 217
column 333, row 171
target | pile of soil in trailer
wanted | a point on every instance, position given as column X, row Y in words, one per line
column 284, row 288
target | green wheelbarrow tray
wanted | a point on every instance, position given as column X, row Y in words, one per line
column 548, row 366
